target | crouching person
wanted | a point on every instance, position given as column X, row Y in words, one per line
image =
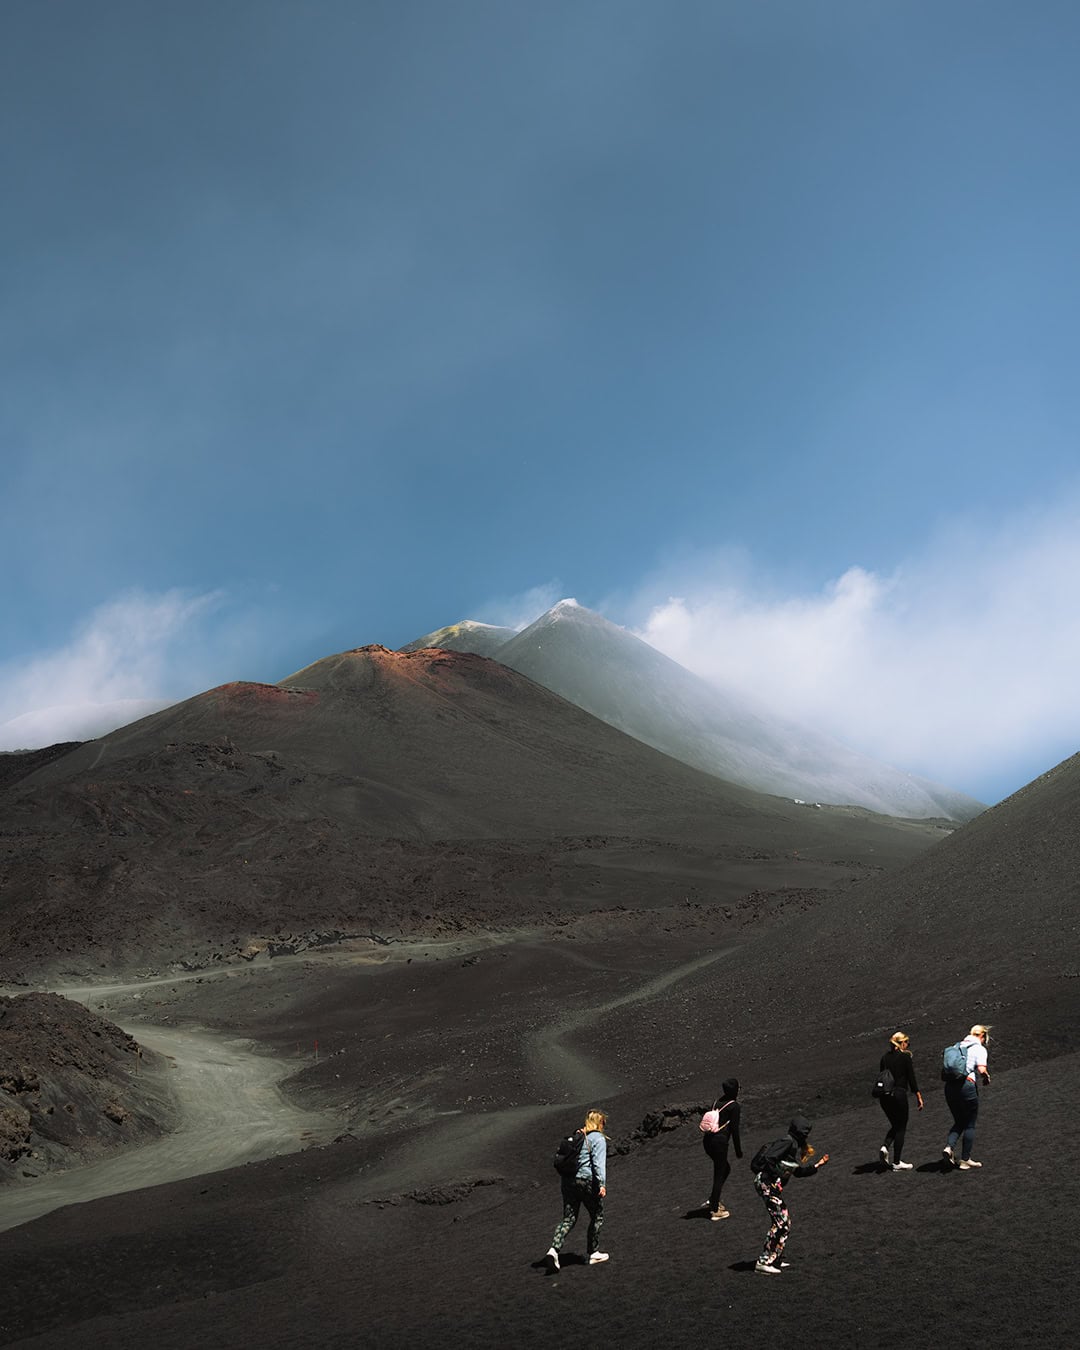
column 773, row 1165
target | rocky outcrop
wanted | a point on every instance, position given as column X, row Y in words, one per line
column 72, row 1086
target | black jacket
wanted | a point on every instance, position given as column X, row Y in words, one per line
column 787, row 1164
column 902, row 1067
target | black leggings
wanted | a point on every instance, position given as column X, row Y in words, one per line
column 896, row 1107
column 721, row 1168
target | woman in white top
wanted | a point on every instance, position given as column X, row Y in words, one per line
column 962, row 1097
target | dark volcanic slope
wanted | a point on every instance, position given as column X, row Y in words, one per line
column 985, row 926
column 254, row 809
column 425, row 745
column 16, row 764
column 627, row 683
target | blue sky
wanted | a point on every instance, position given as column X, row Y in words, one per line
column 753, row 326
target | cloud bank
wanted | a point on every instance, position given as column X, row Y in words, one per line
column 960, row 664
column 131, row 656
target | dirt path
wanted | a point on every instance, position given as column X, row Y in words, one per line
column 577, row 1075
column 473, row 1139
column 232, row 1110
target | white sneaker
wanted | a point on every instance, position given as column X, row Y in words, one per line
column 949, row 1156
column 902, row 1167
column 552, row 1258
column 884, row 1151
column 597, row 1257
column 970, row 1163
column 763, row 1268
column 720, row 1213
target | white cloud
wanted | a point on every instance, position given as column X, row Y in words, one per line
column 120, row 663
column 518, row 611
column 965, row 659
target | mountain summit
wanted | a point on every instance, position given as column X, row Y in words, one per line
column 622, row 680
column 482, row 639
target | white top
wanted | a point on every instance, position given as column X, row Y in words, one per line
column 976, row 1053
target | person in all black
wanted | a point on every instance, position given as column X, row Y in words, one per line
column 785, row 1158
column 897, row 1060
column 716, row 1144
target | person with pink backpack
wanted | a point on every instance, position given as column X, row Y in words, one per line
column 719, row 1128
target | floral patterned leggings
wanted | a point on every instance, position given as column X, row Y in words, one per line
column 772, row 1192
column 576, row 1193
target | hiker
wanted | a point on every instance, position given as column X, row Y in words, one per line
column 773, row 1165
column 719, row 1127
column 588, row 1187
column 897, row 1062
column 962, row 1097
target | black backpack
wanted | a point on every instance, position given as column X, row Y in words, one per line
column 568, row 1153
column 883, row 1084
column 765, row 1159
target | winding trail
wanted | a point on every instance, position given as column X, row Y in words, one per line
column 232, row 1111
column 473, row 1139
column 579, row 1076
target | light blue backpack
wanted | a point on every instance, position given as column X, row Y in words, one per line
column 954, row 1063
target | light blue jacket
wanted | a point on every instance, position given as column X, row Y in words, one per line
column 593, row 1163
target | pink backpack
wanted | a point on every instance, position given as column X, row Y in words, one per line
column 710, row 1121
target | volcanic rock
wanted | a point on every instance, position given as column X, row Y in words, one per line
column 73, row 1086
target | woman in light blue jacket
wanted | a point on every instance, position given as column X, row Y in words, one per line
column 588, row 1187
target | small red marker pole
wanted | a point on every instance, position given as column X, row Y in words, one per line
column 316, row 1052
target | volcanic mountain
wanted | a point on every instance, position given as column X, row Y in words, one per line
column 389, row 791
column 625, row 682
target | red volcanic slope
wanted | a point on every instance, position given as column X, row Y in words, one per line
column 327, row 801
column 435, row 744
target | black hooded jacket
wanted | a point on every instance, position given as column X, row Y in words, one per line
column 788, row 1163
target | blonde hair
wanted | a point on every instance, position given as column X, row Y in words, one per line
column 979, row 1030
column 594, row 1120
column 899, row 1039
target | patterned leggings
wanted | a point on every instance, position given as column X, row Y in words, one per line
column 773, row 1195
column 576, row 1193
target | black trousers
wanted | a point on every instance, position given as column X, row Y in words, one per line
column 717, row 1148
column 897, row 1108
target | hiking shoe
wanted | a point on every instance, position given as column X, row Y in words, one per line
column 902, row 1167
column 597, row 1257
column 552, row 1258
column 763, row 1268
column 720, row 1213
column 968, row 1163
